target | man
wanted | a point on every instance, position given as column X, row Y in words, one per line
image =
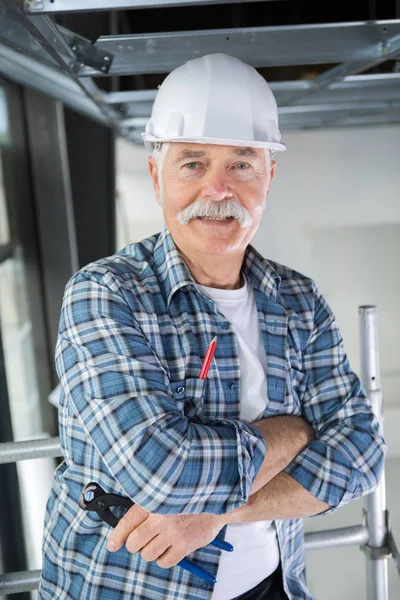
column 280, row 428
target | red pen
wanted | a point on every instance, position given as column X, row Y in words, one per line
column 208, row 358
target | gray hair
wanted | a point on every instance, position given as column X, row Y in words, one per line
column 159, row 153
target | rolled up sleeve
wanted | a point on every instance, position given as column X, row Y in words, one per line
column 121, row 395
column 346, row 459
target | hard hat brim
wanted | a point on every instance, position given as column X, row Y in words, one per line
column 150, row 140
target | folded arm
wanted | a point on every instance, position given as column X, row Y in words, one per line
column 343, row 458
column 121, row 396
column 345, row 461
column 168, row 538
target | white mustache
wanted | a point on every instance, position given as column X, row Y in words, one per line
column 212, row 208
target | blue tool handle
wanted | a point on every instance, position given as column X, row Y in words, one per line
column 195, row 570
column 218, row 543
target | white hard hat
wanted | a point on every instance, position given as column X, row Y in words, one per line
column 215, row 99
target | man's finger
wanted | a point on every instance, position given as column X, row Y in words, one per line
column 171, row 557
column 128, row 523
column 140, row 536
column 155, row 549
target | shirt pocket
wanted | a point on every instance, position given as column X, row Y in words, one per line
column 190, row 392
column 297, row 386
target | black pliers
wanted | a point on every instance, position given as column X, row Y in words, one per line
column 93, row 497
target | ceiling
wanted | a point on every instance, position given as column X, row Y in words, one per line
column 328, row 64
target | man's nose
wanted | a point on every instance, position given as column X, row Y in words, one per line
column 216, row 186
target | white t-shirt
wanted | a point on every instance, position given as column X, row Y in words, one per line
column 256, row 553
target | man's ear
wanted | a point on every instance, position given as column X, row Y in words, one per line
column 154, row 175
column 271, row 176
column 272, row 170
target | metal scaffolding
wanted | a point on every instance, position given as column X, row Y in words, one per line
column 373, row 536
column 381, row 543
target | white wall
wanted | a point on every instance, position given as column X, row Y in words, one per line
column 138, row 214
column 333, row 214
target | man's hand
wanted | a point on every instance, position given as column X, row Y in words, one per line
column 164, row 538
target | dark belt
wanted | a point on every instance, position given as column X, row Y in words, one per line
column 270, row 588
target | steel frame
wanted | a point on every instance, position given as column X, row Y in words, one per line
column 38, row 53
column 11, row 523
column 258, row 46
column 61, row 6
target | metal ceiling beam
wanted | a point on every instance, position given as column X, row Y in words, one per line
column 131, row 96
column 354, row 88
column 340, row 116
column 38, row 37
column 381, row 83
column 390, row 50
column 362, row 108
column 13, row 32
column 324, row 120
column 358, row 88
column 309, row 117
column 30, row 72
column 58, row 70
column 258, row 46
column 60, row 6
column 41, row 38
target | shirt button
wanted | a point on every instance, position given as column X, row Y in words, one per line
column 233, row 386
column 180, row 389
column 224, row 325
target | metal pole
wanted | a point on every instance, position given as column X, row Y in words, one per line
column 23, row 581
column 12, row 544
column 375, row 503
column 14, row 451
column 356, row 535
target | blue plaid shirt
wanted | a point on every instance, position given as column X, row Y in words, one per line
column 135, row 418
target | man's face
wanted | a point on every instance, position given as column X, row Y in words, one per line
column 202, row 184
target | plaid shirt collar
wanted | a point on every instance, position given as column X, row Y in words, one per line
column 174, row 273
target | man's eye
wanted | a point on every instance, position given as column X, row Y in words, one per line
column 243, row 165
column 191, row 165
